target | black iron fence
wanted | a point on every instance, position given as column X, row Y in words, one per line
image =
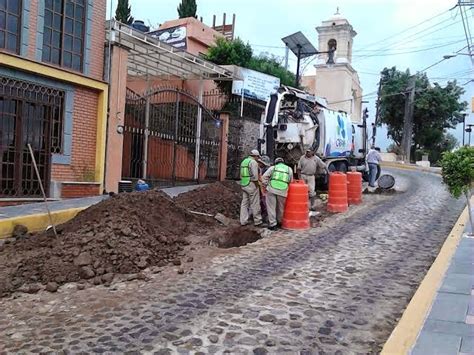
column 170, row 138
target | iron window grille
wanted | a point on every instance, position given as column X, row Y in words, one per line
column 29, row 114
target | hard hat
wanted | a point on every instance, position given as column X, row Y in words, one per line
column 255, row 153
column 265, row 160
column 279, row 160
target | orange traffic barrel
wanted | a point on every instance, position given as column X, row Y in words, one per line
column 337, row 196
column 354, row 188
column 296, row 214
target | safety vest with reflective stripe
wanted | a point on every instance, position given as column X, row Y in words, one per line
column 245, row 171
column 280, row 177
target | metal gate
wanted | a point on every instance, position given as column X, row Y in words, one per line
column 29, row 114
column 170, row 138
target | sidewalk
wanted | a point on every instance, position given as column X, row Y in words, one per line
column 54, row 206
column 449, row 326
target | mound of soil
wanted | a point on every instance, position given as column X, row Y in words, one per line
column 219, row 197
column 123, row 234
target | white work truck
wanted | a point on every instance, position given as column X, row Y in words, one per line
column 295, row 121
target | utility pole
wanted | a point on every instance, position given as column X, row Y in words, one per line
column 287, row 52
column 377, row 109
column 408, row 119
column 297, row 83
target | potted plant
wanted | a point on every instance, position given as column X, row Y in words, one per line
column 458, row 174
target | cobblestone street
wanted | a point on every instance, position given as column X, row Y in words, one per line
column 340, row 288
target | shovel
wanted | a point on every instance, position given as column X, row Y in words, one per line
column 226, row 221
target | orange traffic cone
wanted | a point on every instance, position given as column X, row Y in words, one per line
column 296, row 215
column 337, row 199
column 354, row 188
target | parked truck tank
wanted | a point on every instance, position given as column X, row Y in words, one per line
column 295, row 121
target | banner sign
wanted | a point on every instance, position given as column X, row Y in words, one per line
column 255, row 85
column 174, row 36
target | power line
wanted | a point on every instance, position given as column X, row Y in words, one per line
column 408, row 52
column 413, row 37
column 408, row 29
column 442, row 60
column 434, row 39
column 467, row 30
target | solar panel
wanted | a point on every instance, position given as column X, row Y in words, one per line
column 299, row 44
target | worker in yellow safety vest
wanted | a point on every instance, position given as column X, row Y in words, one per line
column 250, row 190
column 277, row 180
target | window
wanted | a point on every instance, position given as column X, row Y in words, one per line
column 332, row 45
column 29, row 114
column 10, row 22
column 63, row 37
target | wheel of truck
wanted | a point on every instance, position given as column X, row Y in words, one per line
column 342, row 167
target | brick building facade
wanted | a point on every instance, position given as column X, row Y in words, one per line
column 52, row 96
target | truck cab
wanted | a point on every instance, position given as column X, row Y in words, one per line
column 295, row 121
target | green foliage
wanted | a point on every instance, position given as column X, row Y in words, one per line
column 272, row 66
column 123, row 13
column 226, row 52
column 436, row 110
column 187, row 8
column 458, row 171
column 238, row 53
column 446, row 144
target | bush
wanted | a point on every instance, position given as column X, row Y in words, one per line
column 458, row 174
column 458, row 171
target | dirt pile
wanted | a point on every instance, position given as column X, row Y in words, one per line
column 220, row 197
column 123, row 234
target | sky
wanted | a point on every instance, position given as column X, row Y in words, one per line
column 389, row 34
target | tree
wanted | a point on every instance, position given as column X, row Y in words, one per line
column 458, row 174
column 436, row 108
column 226, row 52
column 123, row 13
column 238, row 53
column 187, row 8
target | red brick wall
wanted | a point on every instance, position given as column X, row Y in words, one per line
column 33, row 29
column 84, row 131
column 96, row 68
column 79, row 190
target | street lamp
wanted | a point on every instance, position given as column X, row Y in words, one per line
column 464, row 115
column 449, row 56
column 469, row 130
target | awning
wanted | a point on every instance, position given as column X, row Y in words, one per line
column 150, row 57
